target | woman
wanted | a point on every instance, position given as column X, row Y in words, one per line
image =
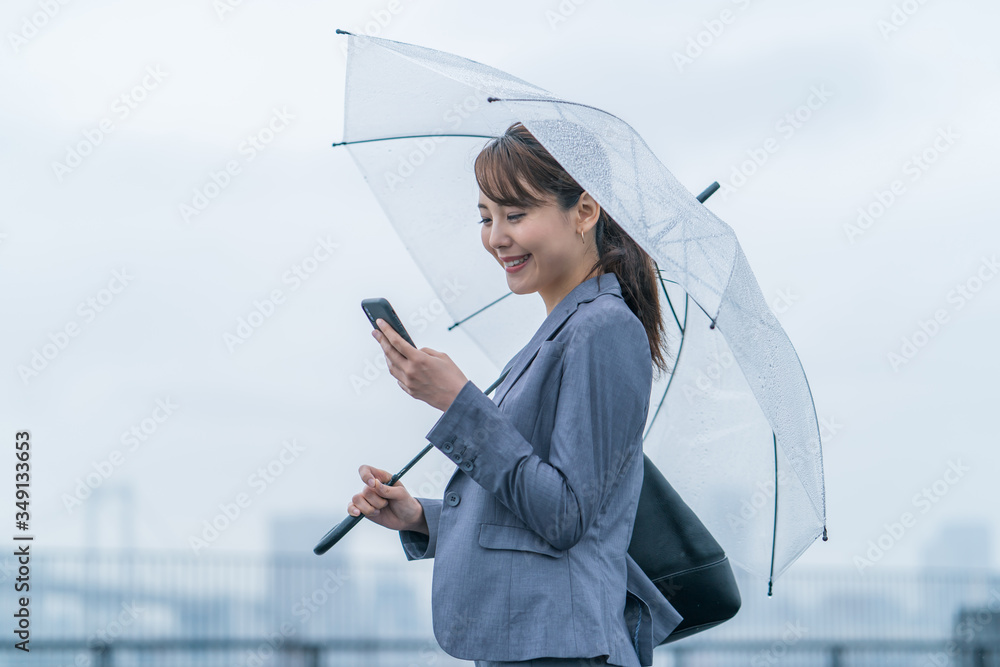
column 530, row 540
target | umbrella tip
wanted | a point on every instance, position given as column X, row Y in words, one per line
column 824, row 533
column 343, row 32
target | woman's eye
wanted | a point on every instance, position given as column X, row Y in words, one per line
column 509, row 217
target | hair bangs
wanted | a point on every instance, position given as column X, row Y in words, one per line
column 500, row 169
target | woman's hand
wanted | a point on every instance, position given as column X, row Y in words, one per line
column 389, row 506
column 425, row 374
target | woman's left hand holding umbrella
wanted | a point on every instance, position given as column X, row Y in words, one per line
column 425, row 374
column 428, row 375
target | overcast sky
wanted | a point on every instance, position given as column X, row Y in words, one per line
column 118, row 115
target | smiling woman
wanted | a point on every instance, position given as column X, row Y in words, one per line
column 531, row 537
column 534, row 212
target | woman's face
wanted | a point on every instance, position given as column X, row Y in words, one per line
column 548, row 237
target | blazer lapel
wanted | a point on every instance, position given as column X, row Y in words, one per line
column 523, row 358
column 585, row 291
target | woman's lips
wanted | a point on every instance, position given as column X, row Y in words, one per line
column 515, row 269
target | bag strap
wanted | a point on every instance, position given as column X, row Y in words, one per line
column 497, row 383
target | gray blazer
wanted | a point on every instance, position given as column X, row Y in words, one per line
column 530, row 539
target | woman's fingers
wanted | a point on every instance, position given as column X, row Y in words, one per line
column 392, row 353
column 368, row 502
column 390, row 492
column 376, row 495
column 389, row 506
column 370, row 473
column 396, row 341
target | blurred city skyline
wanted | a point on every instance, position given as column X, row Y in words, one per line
column 348, row 608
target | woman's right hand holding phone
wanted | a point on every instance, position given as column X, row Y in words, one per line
column 389, row 506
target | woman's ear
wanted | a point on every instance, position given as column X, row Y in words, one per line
column 589, row 211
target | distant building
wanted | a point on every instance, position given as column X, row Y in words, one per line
column 976, row 635
column 961, row 544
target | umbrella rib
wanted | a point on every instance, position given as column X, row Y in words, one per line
column 680, row 348
column 669, row 302
column 549, row 99
column 774, row 529
column 415, row 136
column 479, row 311
column 707, row 314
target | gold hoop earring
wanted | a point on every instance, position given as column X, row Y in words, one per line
column 582, row 240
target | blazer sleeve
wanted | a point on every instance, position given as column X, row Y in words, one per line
column 600, row 410
column 417, row 545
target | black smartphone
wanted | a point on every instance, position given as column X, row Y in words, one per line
column 380, row 309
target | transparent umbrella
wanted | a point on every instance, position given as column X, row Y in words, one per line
column 733, row 426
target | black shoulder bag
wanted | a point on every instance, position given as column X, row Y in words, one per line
column 677, row 552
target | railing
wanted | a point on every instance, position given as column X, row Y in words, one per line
column 242, row 610
column 411, row 652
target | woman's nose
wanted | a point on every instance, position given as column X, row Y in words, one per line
column 498, row 236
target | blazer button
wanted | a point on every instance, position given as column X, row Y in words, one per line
column 466, row 466
column 452, row 498
column 456, row 457
column 447, row 448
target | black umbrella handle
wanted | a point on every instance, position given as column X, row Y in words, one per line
column 345, row 526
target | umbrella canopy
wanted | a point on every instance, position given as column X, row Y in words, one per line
column 733, row 426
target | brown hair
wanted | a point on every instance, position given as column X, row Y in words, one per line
column 516, row 154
